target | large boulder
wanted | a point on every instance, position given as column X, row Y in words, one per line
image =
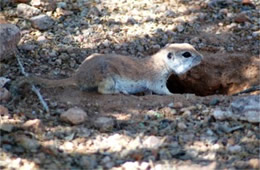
column 10, row 36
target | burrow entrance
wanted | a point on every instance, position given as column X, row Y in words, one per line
column 219, row 73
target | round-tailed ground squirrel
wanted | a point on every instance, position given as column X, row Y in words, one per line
column 111, row 74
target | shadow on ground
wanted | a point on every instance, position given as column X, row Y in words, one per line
column 215, row 76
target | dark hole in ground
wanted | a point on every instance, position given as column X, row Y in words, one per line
column 176, row 85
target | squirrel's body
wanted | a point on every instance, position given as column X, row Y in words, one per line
column 110, row 73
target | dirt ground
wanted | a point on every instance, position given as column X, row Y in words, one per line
column 141, row 131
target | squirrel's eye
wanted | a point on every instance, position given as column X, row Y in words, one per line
column 186, row 54
column 169, row 55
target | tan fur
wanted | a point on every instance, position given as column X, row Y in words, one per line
column 110, row 73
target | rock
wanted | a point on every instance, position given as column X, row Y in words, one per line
column 62, row 5
column 248, row 3
column 130, row 165
column 27, row 11
column 42, row 40
column 254, row 163
column 181, row 126
column 180, row 28
column 5, row 95
column 223, row 11
column 193, row 166
column 145, row 165
column 170, row 13
column 4, row 3
column 67, row 146
column 8, row 127
column 34, row 125
column 171, row 105
column 27, row 47
column 88, row 161
column 3, row 110
column 167, row 111
column 220, row 114
column 2, row 19
column 94, row 11
column 10, row 36
column 131, row 21
column 42, row 22
column 234, row 149
column 3, row 81
column 241, row 18
column 220, row 3
column 178, row 105
column 104, row 123
column 26, row 142
column 214, row 101
column 256, row 34
column 36, row 3
column 195, row 40
column 74, row 116
column 247, row 108
column 62, row 12
column 152, row 142
column 48, row 5
column 106, row 159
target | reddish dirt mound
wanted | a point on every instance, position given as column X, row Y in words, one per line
column 219, row 74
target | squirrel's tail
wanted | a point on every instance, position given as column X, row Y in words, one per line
column 16, row 85
column 47, row 83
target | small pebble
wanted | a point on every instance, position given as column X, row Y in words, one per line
column 74, row 116
column 62, row 5
column 152, row 142
column 254, row 163
column 178, row 105
column 241, row 18
column 234, row 149
column 180, row 28
column 35, row 125
column 5, row 95
column 42, row 22
column 36, row 3
column 88, row 161
column 104, row 123
column 27, row 11
column 27, row 142
column 214, row 102
column 42, row 40
column 3, row 111
column 256, row 34
column 10, row 36
column 181, row 126
column 7, row 127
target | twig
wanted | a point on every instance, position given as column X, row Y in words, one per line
column 34, row 89
column 249, row 90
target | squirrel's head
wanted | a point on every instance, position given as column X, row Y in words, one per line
column 180, row 57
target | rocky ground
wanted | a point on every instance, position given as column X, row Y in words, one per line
column 203, row 128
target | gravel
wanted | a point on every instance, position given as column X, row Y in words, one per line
column 119, row 131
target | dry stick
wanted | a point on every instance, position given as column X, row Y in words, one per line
column 249, row 90
column 34, row 89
